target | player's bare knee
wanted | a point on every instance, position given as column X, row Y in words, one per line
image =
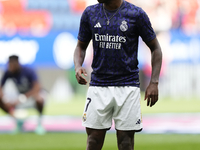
column 125, row 140
column 1, row 103
column 94, row 142
column 39, row 100
column 125, row 145
column 3, row 106
column 95, row 139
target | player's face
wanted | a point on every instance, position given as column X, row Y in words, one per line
column 13, row 66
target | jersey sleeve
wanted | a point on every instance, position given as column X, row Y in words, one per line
column 32, row 76
column 144, row 27
column 85, row 33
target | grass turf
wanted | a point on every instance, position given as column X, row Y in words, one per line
column 75, row 106
column 167, row 105
column 77, row 141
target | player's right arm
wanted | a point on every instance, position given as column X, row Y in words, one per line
column 2, row 82
column 1, row 93
column 79, row 56
column 84, row 37
column 4, row 106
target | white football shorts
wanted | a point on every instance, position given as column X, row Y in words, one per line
column 121, row 104
column 11, row 94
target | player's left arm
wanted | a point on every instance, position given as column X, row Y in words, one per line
column 151, row 93
column 36, row 87
column 34, row 90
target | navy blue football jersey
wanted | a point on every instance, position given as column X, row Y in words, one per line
column 23, row 80
column 115, row 45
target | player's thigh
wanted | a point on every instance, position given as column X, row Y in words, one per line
column 96, row 132
column 40, row 97
column 125, row 137
column 95, row 138
column 29, row 103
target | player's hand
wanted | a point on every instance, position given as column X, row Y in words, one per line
column 151, row 94
column 13, row 104
column 22, row 98
column 79, row 77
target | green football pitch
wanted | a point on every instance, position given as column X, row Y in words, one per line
column 77, row 141
column 165, row 105
column 75, row 106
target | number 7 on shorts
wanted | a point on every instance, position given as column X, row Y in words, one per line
column 89, row 101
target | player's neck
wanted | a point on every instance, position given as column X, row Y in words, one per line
column 113, row 4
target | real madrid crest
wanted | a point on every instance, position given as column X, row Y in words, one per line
column 124, row 26
column 84, row 117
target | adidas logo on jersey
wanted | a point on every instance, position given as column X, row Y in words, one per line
column 98, row 25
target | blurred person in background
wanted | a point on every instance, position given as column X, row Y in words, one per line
column 114, row 93
column 28, row 92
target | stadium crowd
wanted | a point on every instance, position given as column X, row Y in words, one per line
column 182, row 15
